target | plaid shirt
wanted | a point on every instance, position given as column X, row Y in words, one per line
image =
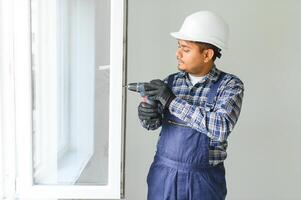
column 189, row 106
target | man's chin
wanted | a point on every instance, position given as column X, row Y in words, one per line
column 181, row 69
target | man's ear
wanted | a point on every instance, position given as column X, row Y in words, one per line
column 208, row 55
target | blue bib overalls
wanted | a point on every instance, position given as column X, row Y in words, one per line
column 181, row 170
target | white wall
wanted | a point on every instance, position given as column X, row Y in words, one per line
column 263, row 161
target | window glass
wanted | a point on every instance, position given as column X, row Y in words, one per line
column 70, row 82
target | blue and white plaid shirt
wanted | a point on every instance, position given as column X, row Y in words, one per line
column 189, row 106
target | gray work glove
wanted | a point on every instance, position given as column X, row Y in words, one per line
column 150, row 116
column 160, row 92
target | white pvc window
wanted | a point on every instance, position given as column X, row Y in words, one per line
column 67, row 121
column 7, row 106
column 1, row 148
column 1, row 109
column 64, row 70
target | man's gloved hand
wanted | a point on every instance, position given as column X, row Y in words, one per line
column 150, row 115
column 160, row 92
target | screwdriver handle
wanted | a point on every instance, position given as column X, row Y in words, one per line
column 147, row 100
column 140, row 88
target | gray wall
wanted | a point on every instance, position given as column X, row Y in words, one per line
column 264, row 161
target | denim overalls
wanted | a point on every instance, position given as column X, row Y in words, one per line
column 181, row 170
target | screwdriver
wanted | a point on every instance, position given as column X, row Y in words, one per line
column 141, row 87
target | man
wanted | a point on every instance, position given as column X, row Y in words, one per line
column 200, row 106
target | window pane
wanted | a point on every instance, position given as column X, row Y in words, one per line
column 71, row 78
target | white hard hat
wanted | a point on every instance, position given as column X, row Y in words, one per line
column 204, row 26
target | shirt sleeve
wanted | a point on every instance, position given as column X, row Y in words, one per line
column 216, row 124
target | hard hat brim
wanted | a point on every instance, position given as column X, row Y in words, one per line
column 181, row 36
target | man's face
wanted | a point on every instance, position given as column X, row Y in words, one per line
column 190, row 59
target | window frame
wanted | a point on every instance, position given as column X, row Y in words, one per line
column 18, row 131
column 7, row 125
column 1, row 105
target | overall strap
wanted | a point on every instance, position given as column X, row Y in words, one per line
column 213, row 91
column 170, row 80
column 169, row 83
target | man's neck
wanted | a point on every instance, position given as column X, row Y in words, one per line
column 205, row 70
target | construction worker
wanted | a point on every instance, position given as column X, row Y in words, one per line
column 200, row 107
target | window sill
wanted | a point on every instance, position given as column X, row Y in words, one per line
column 71, row 165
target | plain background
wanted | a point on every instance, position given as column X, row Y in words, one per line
column 264, row 149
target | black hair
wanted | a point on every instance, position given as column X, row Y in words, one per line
column 216, row 50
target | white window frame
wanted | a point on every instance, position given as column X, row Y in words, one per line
column 1, row 157
column 1, row 105
column 7, row 128
column 1, row 147
column 17, row 120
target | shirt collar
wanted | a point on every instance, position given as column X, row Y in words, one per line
column 182, row 74
column 212, row 75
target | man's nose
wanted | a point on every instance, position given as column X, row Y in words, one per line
column 178, row 53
